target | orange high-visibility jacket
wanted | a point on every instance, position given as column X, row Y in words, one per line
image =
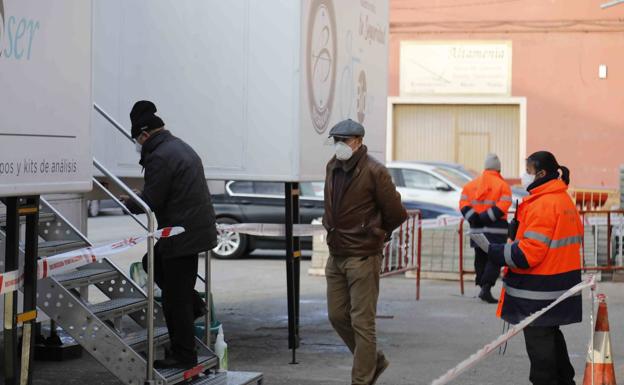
column 485, row 202
column 544, row 261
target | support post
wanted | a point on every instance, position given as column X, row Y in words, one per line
column 11, row 374
column 293, row 256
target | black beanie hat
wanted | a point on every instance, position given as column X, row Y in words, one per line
column 143, row 117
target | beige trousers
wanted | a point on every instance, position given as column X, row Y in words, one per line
column 352, row 292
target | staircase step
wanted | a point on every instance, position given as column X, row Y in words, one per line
column 174, row 376
column 118, row 307
column 243, row 378
column 210, row 379
column 47, row 248
column 229, row 378
column 43, row 218
column 138, row 340
column 86, row 277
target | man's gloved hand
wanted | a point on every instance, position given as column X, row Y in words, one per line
column 481, row 241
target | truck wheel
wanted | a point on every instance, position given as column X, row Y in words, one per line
column 230, row 245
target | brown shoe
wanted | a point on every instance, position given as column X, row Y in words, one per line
column 382, row 364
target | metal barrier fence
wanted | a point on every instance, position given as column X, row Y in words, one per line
column 603, row 249
column 403, row 252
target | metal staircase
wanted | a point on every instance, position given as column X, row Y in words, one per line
column 116, row 331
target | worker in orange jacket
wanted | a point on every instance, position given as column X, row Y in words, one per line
column 484, row 204
column 543, row 262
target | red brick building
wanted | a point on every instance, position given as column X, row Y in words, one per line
column 565, row 65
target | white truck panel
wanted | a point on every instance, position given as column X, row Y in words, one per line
column 230, row 79
column 45, row 96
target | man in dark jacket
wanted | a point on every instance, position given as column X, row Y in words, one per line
column 362, row 209
column 176, row 190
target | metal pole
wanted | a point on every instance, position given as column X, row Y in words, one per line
column 419, row 256
column 296, row 262
column 151, row 227
column 461, row 256
column 31, row 210
column 591, row 325
column 609, row 232
column 10, row 299
column 290, row 272
column 207, row 282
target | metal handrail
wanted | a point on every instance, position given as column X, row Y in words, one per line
column 206, row 279
column 119, row 203
column 151, row 227
column 112, row 121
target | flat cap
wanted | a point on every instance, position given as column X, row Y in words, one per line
column 347, row 129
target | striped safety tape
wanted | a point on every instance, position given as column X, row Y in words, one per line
column 489, row 348
column 61, row 263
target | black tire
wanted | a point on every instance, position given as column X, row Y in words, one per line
column 231, row 245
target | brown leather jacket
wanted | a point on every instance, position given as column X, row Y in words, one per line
column 370, row 208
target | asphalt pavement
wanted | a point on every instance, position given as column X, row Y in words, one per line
column 422, row 339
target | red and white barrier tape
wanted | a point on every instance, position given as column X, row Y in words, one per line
column 61, row 263
column 306, row 230
column 489, row 348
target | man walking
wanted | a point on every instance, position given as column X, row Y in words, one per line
column 176, row 190
column 362, row 208
column 484, row 203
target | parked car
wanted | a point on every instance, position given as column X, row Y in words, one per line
column 434, row 182
column 518, row 191
column 263, row 202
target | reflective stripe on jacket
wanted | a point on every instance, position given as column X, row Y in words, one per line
column 484, row 203
column 544, row 261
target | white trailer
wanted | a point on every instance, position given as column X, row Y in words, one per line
column 254, row 86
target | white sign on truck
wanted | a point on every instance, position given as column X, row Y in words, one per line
column 253, row 86
column 45, row 96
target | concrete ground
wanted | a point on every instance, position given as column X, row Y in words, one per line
column 422, row 339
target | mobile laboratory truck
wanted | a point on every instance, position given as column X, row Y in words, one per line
column 254, row 86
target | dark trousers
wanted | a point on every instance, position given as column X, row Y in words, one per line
column 487, row 272
column 548, row 353
column 176, row 278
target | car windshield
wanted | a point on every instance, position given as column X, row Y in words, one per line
column 454, row 176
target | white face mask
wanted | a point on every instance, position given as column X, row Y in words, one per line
column 527, row 179
column 138, row 147
column 343, row 151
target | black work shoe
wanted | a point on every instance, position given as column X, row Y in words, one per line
column 486, row 295
column 382, row 364
column 172, row 363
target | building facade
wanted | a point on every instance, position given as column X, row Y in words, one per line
column 511, row 76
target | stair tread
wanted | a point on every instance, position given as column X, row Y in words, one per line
column 43, row 218
column 211, row 379
column 115, row 304
column 140, row 336
column 243, row 378
column 60, row 246
column 228, row 378
column 85, row 273
column 173, row 373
